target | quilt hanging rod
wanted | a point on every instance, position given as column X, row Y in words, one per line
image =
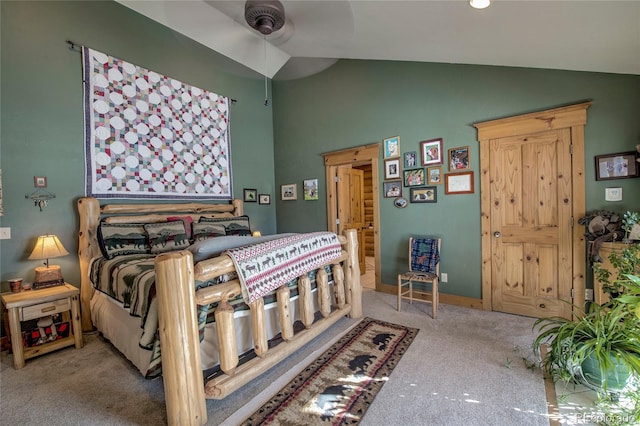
column 78, row 48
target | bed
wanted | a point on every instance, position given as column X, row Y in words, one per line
column 194, row 306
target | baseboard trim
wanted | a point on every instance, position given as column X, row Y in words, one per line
column 448, row 299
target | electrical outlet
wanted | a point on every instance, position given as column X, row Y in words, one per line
column 5, row 233
column 444, row 277
column 588, row 294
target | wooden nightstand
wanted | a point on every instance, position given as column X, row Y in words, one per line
column 28, row 305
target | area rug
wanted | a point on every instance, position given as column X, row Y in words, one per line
column 339, row 386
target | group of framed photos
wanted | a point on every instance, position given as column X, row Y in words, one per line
column 416, row 170
column 251, row 195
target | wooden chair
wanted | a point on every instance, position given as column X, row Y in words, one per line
column 424, row 267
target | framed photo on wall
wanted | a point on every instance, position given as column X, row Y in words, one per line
column 434, row 175
column 250, row 195
column 392, row 189
column 414, row 177
column 410, row 159
column 428, row 194
column 431, row 152
column 458, row 183
column 621, row 165
column 459, row 158
column 392, row 168
column 264, row 199
column 311, row 189
column 289, row 192
column 391, row 147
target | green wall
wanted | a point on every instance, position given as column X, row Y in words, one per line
column 42, row 114
column 359, row 102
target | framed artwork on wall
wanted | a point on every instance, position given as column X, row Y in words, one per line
column 431, row 152
column 434, row 175
column 40, row 181
column 391, row 147
column 621, row 165
column 392, row 189
column 311, row 189
column 264, row 199
column 458, row 183
column 459, row 158
column 289, row 192
column 414, row 177
column 392, row 168
column 250, row 195
column 428, row 194
column 410, row 159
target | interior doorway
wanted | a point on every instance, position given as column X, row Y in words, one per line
column 355, row 204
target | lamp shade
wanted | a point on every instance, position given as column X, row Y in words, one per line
column 47, row 247
column 479, row 4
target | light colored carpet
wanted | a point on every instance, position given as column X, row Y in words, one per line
column 466, row 367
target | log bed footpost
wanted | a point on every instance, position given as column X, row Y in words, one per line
column 88, row 248
column 226, row 332
column 352, row 276
column 338, row 285
column 179, row 339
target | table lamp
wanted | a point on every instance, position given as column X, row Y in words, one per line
column 48, row 246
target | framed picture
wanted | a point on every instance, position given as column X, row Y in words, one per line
column 289, row 192
column 392, row 147
column 311, row 189
column 621, row 165
column 459, row 158
column 431, row 151
column 264, row 199
column 40, row 181
column 458, row 183
column 434, row 175
column 392, row 168
column 392, row 189
column 414, row 177
column 428, row 194
column 400, row 202
column 250, row 195
column 410, row 159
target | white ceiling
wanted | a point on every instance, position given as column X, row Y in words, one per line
column 600, row 36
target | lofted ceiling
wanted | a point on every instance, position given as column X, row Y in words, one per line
column 598, row 36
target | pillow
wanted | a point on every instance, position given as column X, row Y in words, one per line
column 204, row 230
column 205, row 249
column 122, row 238
column 167, row 236
column 188, row 220
column 238, row 225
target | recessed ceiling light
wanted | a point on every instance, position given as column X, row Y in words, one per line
column 479, row 4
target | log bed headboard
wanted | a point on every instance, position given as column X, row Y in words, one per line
column 91, row 213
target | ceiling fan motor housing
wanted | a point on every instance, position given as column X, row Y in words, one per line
column 266, row 16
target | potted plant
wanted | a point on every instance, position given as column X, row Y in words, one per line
column 629, row 220
column 624, row 262
column 601, row 348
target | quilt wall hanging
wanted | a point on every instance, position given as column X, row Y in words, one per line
column 151, row 136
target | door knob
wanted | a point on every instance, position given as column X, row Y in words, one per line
column 497, row 234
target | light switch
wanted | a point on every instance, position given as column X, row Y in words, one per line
column 613, row 194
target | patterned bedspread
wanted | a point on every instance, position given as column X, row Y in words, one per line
column 130, row 279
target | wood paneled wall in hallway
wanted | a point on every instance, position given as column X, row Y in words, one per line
column 368, row 209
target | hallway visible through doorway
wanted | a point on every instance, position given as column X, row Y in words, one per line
column 368, row 279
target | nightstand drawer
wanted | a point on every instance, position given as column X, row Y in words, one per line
column 44, row 309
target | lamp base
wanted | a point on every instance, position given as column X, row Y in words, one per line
column 48, row 277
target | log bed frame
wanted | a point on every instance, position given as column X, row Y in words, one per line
column 185, row 390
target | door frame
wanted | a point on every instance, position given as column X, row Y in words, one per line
column 366, row 154
column 572, row 117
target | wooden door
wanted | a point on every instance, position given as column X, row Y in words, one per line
column 532, row 191
column 351, row 206
column 531, row 224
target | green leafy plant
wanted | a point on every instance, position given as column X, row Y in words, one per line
column 625, row 262
column 628, row 220
column 609, row 334
column 630, row 296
